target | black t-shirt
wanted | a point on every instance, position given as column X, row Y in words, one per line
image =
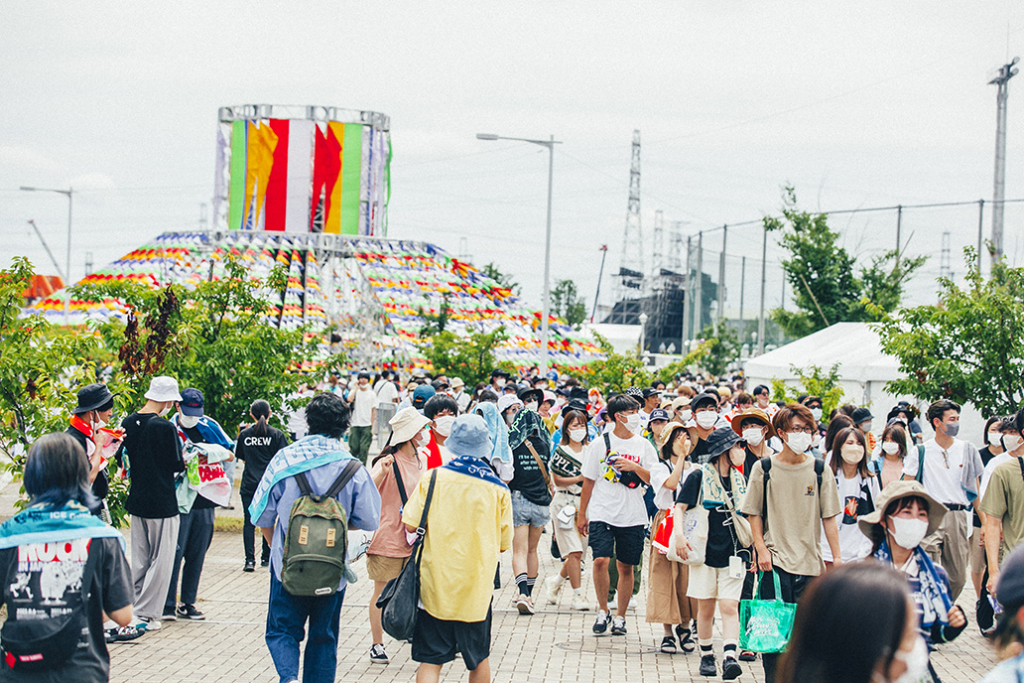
column 700, row 448
column 39, row 580
column 154, row 457
column 528, row 478
column 257, row 450
column 720, row 545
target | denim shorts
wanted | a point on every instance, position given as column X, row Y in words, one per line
column 524, row 512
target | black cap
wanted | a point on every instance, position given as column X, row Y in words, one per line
column 498, row 372
column 650, row 391
column 575, row 404
column 578, row 393
column 720, row 441
column 861, row 415
column 711, row 397
column 92, row 397
column 526, row 395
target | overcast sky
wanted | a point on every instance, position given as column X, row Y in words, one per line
column 856, row 104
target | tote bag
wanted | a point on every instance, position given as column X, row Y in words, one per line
column 766, row 625
column 691, row 529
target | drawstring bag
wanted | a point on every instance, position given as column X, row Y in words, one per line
column 766, row 625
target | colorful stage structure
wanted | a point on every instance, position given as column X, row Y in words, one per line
column 307, row 188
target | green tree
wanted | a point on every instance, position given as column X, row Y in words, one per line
column 814, row 381
column 825, row 287
column 503, row 279
column 469, row 358
column 714, row 354
column 617, row 371
column 567, row 304
column 969, row 347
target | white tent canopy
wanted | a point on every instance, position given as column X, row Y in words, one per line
column 864, row 370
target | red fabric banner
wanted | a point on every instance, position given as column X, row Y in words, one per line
column 277, row 186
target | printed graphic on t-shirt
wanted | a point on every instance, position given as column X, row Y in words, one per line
column 629, row 479
column 47, row 578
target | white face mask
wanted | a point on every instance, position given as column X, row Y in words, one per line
column 166, row 409
column 421, row 439
column 753, row 435
column 1012, row 442
column 916, row 662
column 99, row 423
column 852, row 453
column 685, row 415
column 706, row 419
column 798, row 442
column 632, row 423
column 816, row 413
column 187, row 421
column 443, row 424
column 500, row 383
column 891, row 448
column 577, row 435
column 532, row 405
column 995, row 439
column 908, row 533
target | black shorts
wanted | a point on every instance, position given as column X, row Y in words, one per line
column 435, row 641
column 624, row 543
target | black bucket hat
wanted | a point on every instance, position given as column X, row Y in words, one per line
column 92, row 397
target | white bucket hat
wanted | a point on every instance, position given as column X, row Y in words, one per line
column 163, row 389
column 406, row 424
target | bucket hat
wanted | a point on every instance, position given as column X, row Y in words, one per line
column 406, row 424
column 895, row 491
column 162, row 389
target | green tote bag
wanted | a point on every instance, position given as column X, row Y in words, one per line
column 766, row 624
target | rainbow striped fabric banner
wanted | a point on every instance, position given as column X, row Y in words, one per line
column 294, row 175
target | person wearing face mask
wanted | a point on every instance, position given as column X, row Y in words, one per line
column 656, row 427
column 564, row 466
column 498, row 380
column 93, row 412
column 856, row 624
column 888, row 464
column 719, row 487
column 528, row 438
column 790, row 499
column 858, row 491
column 705, row 420
column 904, row 515
column 950, row 470
column 992, row 450
column 441, row 410
column 754, row 428
column 612, row 510
column 151, row 451
column 396, row 472
column 1002, row 501
column 681, row 410
column 762, row 400
column 862, row 418
column 649, row 399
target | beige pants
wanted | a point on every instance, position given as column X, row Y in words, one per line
column 949, row 547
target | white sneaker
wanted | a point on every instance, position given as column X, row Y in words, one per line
column 580, row 603
column 553, row 586
column 632, row 604
column 148, row 625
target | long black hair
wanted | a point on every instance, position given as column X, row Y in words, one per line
column 57, row 471
column 260, row 410
column 850, row 622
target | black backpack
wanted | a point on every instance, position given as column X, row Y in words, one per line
column 46, row 644
column 766, row 467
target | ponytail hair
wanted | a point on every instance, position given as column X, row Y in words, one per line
column 260, row 410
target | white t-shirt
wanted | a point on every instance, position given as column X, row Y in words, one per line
column 462, row 398
column 942, row 482
column 995, row 462
column 853, row 544
column 611, row 502
column 665, row 498
column 386, row 392
column 363, row 403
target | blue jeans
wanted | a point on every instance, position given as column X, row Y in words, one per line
column 286, row 620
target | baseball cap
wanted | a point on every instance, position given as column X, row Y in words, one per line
column 191, row 402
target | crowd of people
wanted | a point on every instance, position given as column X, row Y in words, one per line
column 715, row 495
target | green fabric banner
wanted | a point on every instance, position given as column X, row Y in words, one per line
column 351, row 177
column 236, row 193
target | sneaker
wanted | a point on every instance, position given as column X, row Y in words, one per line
column 190, row 612
column 524, row 605
column 618, row 626
column 580, row 603
column 377, row 654
column 632, row 604
column 169, row 614
column 601, row 625
column 553, row 586
column 265, row 562
column 250, row 566
column 147, row 625
column 748, row 656
column 668, row 645
column 707, row 665
column 731, row 669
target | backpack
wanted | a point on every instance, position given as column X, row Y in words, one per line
column 920, row 464
column 315, row 544
column 45, row 644
column 766, row 467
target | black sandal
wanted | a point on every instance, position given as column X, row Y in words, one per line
column 685, row 639
column 668, row 645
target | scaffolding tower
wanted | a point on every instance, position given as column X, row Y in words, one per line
column 629, row 280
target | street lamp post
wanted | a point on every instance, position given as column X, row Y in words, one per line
column 69, row 193
column 550, row 145
column 643, row 331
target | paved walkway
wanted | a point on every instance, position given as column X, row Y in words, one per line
column 552, row 645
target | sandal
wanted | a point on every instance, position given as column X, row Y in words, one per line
column 685, row 639
column 668, row 645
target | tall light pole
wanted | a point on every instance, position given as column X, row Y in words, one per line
column 550, row 145
column 1006, row 72
column 69, row 193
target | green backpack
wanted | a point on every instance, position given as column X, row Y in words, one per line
column 317, row 538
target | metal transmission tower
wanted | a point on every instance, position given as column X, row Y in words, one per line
column 1001, row 81
column 631, row 268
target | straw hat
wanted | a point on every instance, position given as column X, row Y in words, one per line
column 895, row 491
column 406, row 424
column 753, row 414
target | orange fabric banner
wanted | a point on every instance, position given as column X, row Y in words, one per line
column 332, row 208
column 262, row 143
